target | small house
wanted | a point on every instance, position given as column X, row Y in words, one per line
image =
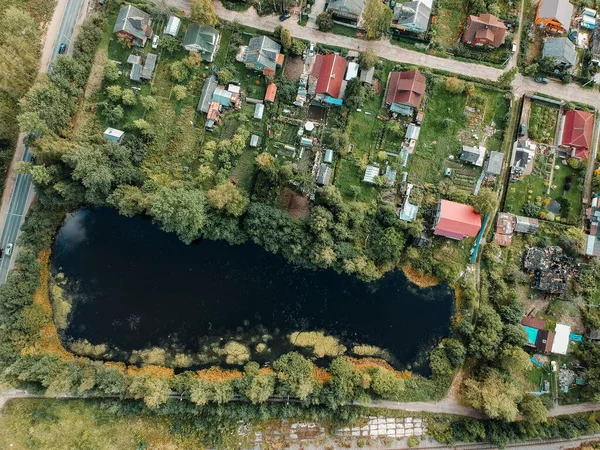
column 172, row 27
column 577, row 132
column 405, row 92
column 366, row 76
column 562, row 50
column 351, row 71
column 233, row 88
column 456, row 220
column 328, row 158
column 537, row 335
column 473, row 155
column 493, row 166
column 271, row 92
column 114, row 135
column 210, row 85
column 259, row 110
column 346, row 12
column 149, row 66
column 134, row 25
column 254, row 141
column 328, row 76
column 485, row 30
column 203, row 40
column 554, row 15
column 263, row 55
column 371, row 174
column 223, row 97
column 324, row 175
column 412, row 16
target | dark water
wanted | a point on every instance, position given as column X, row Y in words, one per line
column 135, row 286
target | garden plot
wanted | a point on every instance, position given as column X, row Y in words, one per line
column 542, row 122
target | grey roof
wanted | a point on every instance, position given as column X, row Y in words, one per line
column 149, row 66
column 347, row 6
column 366, row 76
column 173, row 25
column 132, row 21
column 210, row 85
column 136, row 71
column 134, row 59
column 560, row 10
column 205, row 38
column 254, row 140
column 324, row 174
column 263, row 50
column 526, row 225
column 596, row 39
column 469, row 154
column 413, row 13
column 494, row 164
column 561, row 49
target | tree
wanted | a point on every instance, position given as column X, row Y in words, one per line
column 454, row 85
column 367, row 59
column 487, row 335
column 128, row 97
column 179, row 211
column 385, row 384
column 203, row 12
column 225, row 76
column 297, row 47
column 294, row 372
column 286, row 38
column 355, row 94
column 192, row 60
column 388, row 246
column 179, row 71
column 486, row 201
column 547, row 64
column 148, row 102
column 506, row 79
column 533, row 410
column 111, row 72
column 258, row 387
column 229, row 198
column 114, row 92
column 343, row 384
column 129, row 200
column 377, row 17
column 325, row 21
column 496, row 397
column 180, row 92
column 143, row 126
column 169, row 44
column 153, row 389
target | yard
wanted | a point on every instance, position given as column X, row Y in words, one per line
column 542, row 122
column 451, row 20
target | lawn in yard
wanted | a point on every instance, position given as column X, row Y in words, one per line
column 542, row 122
column 348, row 179
column 244, row 170
column 451, row 19
column 343, row 30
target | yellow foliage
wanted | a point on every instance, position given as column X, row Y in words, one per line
column 216, row 373
column 420, row 279
column 322, row 345
column 120, row 366
column 320, row 374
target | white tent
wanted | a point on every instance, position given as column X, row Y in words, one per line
column 561, row 339
column 173, row 25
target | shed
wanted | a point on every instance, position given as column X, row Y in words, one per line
column 526, row 225
column 223, row 97
column 366, row 76
column 351, row 71
column 112, row 134
column 259, row 110
column 136, row 71
column 149, row 65
column 209, row 125
column 561, row 339
column 412, row 131
column 473, row 155
column 494, row 163
column 233, row 88
column 371, row 174
column 324, row 175
column 271, row 91
column 328, row 156
column 306, row 142
column 254, row 141
column 173, row 25
column 134, row 59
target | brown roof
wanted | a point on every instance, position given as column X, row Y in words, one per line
column 406, row 87
column 485, row 26
column 544, row 341
column 271, row 91
column 534, row 322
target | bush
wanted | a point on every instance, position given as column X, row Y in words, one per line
column 325, row 21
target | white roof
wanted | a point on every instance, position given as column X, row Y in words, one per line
column 254, row 140
column 352, row 71
column 173, row 25
column 114, row 132
column 328, row 156
column 561, row 338
column 370, row 174
column 259, row 110
column 234, row 88
column 309, row 126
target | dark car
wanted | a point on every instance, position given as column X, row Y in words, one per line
column 522, row 130
column 541, row 80
column 284, row 16
column 62, row 48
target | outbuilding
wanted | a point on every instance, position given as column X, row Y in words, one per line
column 328, row 156
column 371, row 173
column 173, row 25
column 259, row 110
column 114, row 135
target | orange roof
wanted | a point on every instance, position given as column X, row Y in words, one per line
column 271, row 91
column 279, row 58
column 457, row 220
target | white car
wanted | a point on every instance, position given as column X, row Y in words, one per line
column 8, row 249
column 155, row 41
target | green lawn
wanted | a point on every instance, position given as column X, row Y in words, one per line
column 451, row 18
column 244, row 170
column 343, row 30
column 438, row 137
column 348, row 174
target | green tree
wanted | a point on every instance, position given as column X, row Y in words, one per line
column 225, row 76
column 377, row 17
column 179, row 92
column 203, row 12
column 454, row 85
column 111, row 71
column 228, row 198
column 297, row 47
column 128, row 97
column 114, row 92
column 325, row 21
column 286, row 38
column 179, row 211
column 153, row 389
column 385, row 384
column 533, row 410
column 294, row 372
column 367, row 59
column 129, row 200
column 487, row 335
column 486, row 201
column 506, row 79
column 169, row 44
column 496, row 397
column 148, row 102
column 179, row 71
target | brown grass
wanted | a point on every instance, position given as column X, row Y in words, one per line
column 420, row 279
column 293, row 203
column 219, row 374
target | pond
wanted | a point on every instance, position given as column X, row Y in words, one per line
column 134, row 287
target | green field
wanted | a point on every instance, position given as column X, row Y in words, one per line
column 347, row 175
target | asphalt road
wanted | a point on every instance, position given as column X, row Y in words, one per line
column 67, row 26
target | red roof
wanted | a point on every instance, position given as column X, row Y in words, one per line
column 271, row 91
column 406, row 87
column 577, row 131
column 457, row 220
column 329, row 69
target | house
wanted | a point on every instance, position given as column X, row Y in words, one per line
column 366, row 76
column 456, row 220
column 473, row 155
column 328, row 71
column 271, row 91
column 412, row 16
column 210, row 85
column 409, row 211
column 203, row 40
column 554, row 15
column 226, row 98
column 259, row 110
column 114, row 135
column 136, row 72
column 537, row 335
column 485, row 30
column 562, row 336
column 351, row 71
column 405, row 91
column 508, row 224
column 371, row 174
column 493, row 166
column 577, row 132
column 346, row 12
column 149, row 65
column 133, row 24
column 562, row 50
column 172, row 27
column 324, row 175
column 263, row 55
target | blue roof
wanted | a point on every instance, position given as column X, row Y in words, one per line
column 531, row 334
column 334, row 101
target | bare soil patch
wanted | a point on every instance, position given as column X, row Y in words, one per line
column 293, row 69
column 293, row 203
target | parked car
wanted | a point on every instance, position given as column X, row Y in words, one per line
column 514, row 47
column 522, row 130
column 155, row 41
column 8, row 249
column 62, row 48
column 541, row 80
column 285, row 16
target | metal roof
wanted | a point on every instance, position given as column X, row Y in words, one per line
column 173, row 25
column 263, row 50
column 494, row 163
column 371, row 173
column 134, row 21
column 149, row 65
column 561, row 49
column 136, row 70
column 210, row 84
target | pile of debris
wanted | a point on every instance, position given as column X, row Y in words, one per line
column 551, row 269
